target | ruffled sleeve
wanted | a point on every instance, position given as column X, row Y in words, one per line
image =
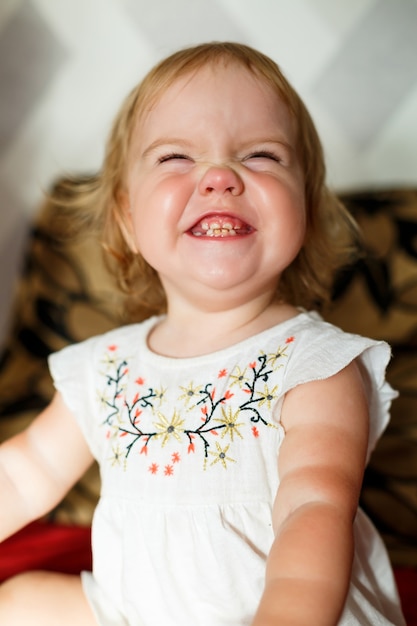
column 72, row 370
column 323, row 350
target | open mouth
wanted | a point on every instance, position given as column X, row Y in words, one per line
column 220, row 226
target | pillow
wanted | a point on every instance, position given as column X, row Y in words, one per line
column 377, row 297
column 64, row 295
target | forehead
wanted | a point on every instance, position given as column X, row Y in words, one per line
column 222, row 90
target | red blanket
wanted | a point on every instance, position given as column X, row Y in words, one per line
column 46, row 546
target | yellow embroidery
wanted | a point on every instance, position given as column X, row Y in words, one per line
column 221, row 456
column 229, row 421
column 169, row 429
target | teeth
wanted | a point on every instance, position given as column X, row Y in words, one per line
column 220, row 232
column 218, row 228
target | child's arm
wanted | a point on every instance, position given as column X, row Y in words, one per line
column 39, row 465
column 321, row 466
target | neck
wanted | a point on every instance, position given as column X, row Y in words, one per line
column 188, row 330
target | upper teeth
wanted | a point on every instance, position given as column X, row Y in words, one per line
column 215, row 229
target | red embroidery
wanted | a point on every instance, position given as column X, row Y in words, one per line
column 141, row 420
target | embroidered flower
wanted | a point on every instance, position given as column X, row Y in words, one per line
column 228, row 421
column 238, row 376
column 191, row 393
column 267, row 396
column 103, row 398
column 160, row 395
column 169, row 429
column 221, row 455
column 278, row 354
column 153, row 468
column 109, row 359
column 118, row 458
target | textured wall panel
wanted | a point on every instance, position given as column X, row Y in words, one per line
column 66, row 65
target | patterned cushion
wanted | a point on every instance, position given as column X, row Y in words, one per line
column 378, row 297
column 66, row 295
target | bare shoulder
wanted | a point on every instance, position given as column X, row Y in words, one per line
column 338, row 401
column 324, row 451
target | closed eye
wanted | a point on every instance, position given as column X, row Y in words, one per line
column 264, row 154
column 172, row 157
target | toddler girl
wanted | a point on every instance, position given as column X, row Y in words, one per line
column 232, row 426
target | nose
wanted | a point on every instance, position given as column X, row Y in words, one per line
column 220, row 180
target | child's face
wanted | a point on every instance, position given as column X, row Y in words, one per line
column 215, row 188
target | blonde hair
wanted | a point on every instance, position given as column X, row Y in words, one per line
column 330, row 234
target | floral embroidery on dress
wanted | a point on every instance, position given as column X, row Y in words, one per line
column 202, row 420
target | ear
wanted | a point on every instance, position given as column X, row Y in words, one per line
column 123, row 217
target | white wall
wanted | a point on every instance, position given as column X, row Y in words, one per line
column 66, row 64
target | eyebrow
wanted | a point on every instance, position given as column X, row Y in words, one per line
column 268, row 140
column 165, row 141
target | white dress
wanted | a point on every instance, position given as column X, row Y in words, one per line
column 188, row 453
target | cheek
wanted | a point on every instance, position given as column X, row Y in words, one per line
column 287, row 221
column 161, row 200
column 284, row 205
column 298, row 224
